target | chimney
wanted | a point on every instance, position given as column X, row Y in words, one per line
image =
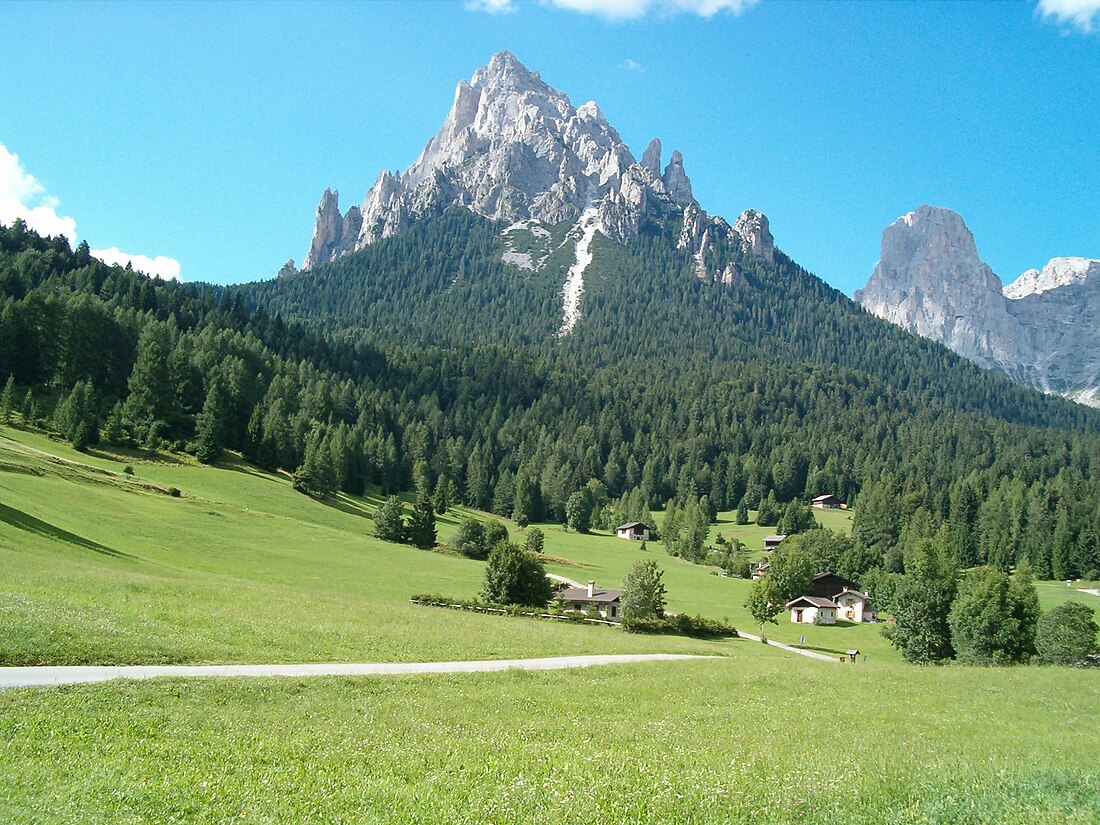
column 591, row 589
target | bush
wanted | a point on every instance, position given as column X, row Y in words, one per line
column 682, row 625
column 174, row 492
column 128, row 470
column 1066, row 635
column 515, row 576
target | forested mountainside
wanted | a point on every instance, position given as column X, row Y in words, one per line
column 98, row 352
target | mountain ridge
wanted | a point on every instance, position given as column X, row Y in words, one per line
column 514, row 149
column 1041, row 330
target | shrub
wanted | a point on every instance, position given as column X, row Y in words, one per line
column 515, row 576
column 681, row 624
column 1066, row 635
column 174, row 492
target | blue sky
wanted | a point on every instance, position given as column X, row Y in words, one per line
column 205, row 133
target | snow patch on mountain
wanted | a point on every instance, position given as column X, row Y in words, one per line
column 584, row 231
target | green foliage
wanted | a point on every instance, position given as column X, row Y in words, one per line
column 768, row 513
column 1066, row 635
column 389, row 521
column 578, row 511
column 471, row 540
column 643, row 595
column 211, row 425
column 742, row 516
column 515, row 576
column 790, row 574
column 421, row 530
column 77, row 417
column 681, row 624
column 7, row 400
column 535, row 541
column 921, row 602
column 993, row 618
column 495, row 533
column 797, row 517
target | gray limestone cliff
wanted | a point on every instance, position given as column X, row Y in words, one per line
column 514, row 149
column 1041, row 330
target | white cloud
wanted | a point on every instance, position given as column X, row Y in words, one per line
column 23, row 196
column 635, row 9
column 1081, row 14
column 160, row 266
column 632, row 65
column 491, row 6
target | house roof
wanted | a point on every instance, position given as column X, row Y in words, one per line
column 825, row 497
column 580, row 594
column 847, row 591
column 812, row 601
column 630, row 524
column 775, row 538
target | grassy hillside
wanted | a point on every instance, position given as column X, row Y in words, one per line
column 100, row 567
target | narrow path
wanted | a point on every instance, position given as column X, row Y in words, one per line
column 15, row 677
column 813, row 654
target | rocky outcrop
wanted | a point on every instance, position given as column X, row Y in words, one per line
column 333, row 234
column 751, row 227
column 1059, row 272
column 1042, row 330
column 651, row 157
column 513, row 148
column 676, row 181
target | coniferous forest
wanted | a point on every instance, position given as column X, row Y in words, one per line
column 425, row 362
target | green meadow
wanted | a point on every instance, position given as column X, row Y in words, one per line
column 754, row 737
column 99, row 566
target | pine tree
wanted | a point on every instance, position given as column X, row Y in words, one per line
column 7, row 401
column 114, row 431
column 742, row 516
column 442, row 500
column 421, row 530
column 389, row 522
column 210, row 426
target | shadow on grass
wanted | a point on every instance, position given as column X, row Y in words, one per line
column 24, row 521
column 347, row 505
column 240, row 466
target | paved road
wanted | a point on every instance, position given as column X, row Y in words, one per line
column 812, row 654
column 12, row 677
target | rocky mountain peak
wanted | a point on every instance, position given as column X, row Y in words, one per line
column 651, row 158
column 676, row 180
column 514, row 149
column 1059, row 272
column 1041, row 330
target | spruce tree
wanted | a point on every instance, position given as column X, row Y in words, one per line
column 7, row 401
column 421, row 530
column 210, row 425
column 389, row 522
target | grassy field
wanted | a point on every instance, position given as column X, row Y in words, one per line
column 102, row 567
column 754, row 737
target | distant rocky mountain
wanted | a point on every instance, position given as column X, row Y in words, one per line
column 1040, row 330
column 515, row 150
